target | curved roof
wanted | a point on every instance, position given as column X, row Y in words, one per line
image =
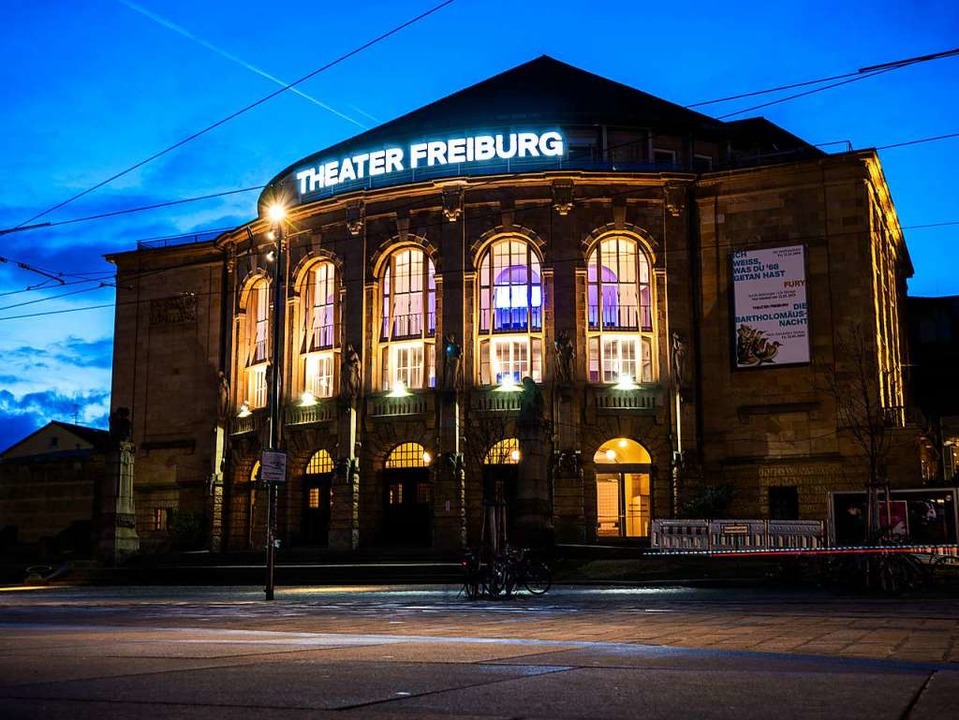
column 543, row 93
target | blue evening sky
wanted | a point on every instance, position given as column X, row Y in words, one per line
column 92, row 87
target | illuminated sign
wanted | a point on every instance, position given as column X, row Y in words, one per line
column 429, row 154
column 769, row 303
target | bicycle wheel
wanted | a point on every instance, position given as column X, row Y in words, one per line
column 537, row 577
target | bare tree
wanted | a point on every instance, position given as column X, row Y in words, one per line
column 854, row 383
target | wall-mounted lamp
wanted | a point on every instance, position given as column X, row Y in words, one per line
column 626, row 382
column 307, row 398
column 507, row 384
column 399, row 390
column 244, row 410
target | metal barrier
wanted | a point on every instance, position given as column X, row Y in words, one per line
column 736, row 534
column 679, row 534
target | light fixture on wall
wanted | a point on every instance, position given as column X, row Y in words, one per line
column 307, row 399
column 399, row 390
column 626, row 382
column 508, row 384
column 244, row 410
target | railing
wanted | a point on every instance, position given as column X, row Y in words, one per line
column 322, row 411
column 253, row 422
column 386, row 406
column 490, row 400
column 408, row 326
column 641, row 399
column 750, row 534
column 619, row 317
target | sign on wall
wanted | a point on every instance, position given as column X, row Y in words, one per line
column 769, row 306
column 435, row 154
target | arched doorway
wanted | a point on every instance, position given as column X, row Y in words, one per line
column 500, row 481
column 623, row 469
column 317, row 499
column 409, row 496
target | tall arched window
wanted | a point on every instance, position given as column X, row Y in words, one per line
column 408, row 320
column 256, row 351
column 619, row 312
column 318, row 295
column 511, row 312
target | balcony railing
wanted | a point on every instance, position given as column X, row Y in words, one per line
column 320, row 412
column 492, row 400
column 253, row 422
column 640, row 399
column 386, row 406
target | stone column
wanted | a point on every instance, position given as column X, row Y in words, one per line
column 532, row 513
column 344, row 531
column 117, row 536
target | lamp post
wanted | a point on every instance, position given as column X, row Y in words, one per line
column 277, row 214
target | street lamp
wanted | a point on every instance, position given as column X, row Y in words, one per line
column 276, row 213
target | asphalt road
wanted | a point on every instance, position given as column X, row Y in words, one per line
column 404, row 652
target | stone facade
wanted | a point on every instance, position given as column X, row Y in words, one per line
column 421, row 468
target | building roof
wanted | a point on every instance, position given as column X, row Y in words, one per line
column 547, row 92
column 58, row 437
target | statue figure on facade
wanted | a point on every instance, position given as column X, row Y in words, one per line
column 679, row 359
column 121, row 429
column 223, row 396
column 351, row 380
column 452, row 357
column 565, row 355
column 531, row 405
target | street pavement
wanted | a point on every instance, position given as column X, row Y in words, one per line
column 405, row 652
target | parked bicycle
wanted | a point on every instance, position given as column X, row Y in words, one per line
column 503, row 575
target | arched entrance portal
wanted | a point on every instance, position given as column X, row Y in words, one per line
column 409, row 496
column 623, row 468
column 500, row 480
column 317, row 499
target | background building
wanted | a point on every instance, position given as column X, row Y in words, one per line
column 548, row 306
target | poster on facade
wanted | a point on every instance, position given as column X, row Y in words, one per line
column 769, row 305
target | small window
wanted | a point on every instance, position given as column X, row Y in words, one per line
column 160, row 518
column 702, row 163
column 664, row 158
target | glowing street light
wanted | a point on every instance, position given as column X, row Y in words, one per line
column 276, row 213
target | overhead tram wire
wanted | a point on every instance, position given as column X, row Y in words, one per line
column 871, row 70
column 243, row 110
column 203, row 232
column 866, row 71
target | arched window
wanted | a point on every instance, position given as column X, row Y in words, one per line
column 256, row 351
column 407, row 455
column 320, row 463
column 623, row 469
column 619, row 312
column 511, row 313
column 505, row 452
column 408, row 320
column 318, row 298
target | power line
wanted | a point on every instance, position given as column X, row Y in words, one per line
column 243, row 110
column 869, row 71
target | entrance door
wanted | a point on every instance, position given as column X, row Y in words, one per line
column 622, row 504
column 316, row 509
column 409, row 501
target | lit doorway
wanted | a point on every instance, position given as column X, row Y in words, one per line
column 317, row 499
column 500, row 485
column 623, row 507
column 409, row 496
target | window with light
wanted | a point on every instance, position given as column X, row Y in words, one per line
column 511, row 313
column 257, row 333
column 407, row 321
column 619, row 312
column 318, row 295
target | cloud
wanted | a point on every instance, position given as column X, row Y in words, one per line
column 20, row 416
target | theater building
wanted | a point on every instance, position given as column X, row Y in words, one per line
column 549, row 306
